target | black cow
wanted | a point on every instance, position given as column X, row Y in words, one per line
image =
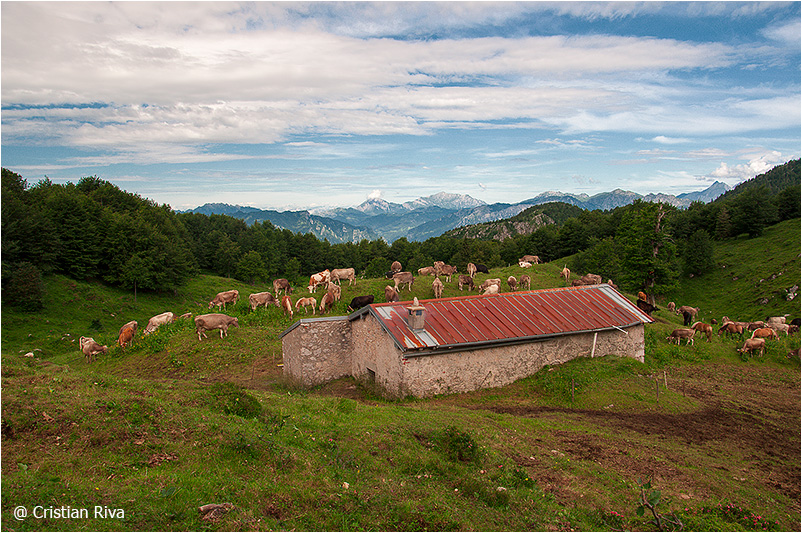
column 687, row 318
column 646, row 307
column 389, row 274
column 360, row 302
column 482, row 268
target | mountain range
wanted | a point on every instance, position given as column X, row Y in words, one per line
column 423, row 218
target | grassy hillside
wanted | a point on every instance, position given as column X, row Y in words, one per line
column 171, row 424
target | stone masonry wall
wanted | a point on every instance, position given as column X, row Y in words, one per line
column 317, row 351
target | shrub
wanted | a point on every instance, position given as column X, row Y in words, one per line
column 458, row 445
column 232, row 399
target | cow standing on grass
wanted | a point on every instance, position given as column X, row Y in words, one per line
column 204, row 323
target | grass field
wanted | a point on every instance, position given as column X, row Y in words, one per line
column 149, row 434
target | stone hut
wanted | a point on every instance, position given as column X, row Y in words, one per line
column 465, row 343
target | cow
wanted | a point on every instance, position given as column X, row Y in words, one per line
column 680, row 334
column 591, row 279
column 336, row 291
column 204, row 323
column 464, row 280
column 286, row 305
column 390, row 294
column 775, row 320
column 490, row 289
column 785, row 328
column 530, row 259
column 326, row 302
column 401, row 278
column 524, row 264
column 261, row 299
column 671, row 306
column 395, row 267
column 306, row 302
column 646, row 307
column 281, row 284
column 642, row 295
column 611, row 284
column 471, row 269
column 319, row 279
column 707, row 329
column 438, row 267
column 360, row 301
column 126, row 335
column 186, row 315
column 426, row 271
column 437, row 288
column 223, row 298
column 764, row 333
column 757, row 324
column 512, row 282
column 488, row 282
column 343, row 273
column 482, row 268
column 565, row 274
column 750, row 345
column 526, row 281
column 389, row 274
column 687, row 308
column 448, row 271
column 153, row 324
column 687, row 318
column 90, row 348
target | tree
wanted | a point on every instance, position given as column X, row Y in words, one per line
column 646, row 250
column 698, row 253
column 754, row 211
column 25, row 288
column 251, row 267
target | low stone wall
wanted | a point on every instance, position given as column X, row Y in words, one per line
column 317, row 350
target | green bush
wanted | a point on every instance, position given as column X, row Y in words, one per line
column 458, row 445
column 232, row 399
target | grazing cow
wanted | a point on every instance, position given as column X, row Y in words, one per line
column 512, row 282
column 390, row 294
column 281, row 284
column 611, row 284
column 764, row 333
column 490, row 289
column 680, row 334
column 126, row 336
column 687, row 318
column 319, row 279
column 687, row 308
column 565, row 274
column 426, row 271
column 482, row 268
column 646, row 307
column 785, row 328
column 395, row 267
column 707, row 329
column 465, row 279
column 326, row 302
column 401, row 278
column 757, row 324
column 286, row 305
column 261, row 299
column 306, row 302
column 343, row 273
column 671, row 306
column 730, row 329
column 336, row 291
column 360, row 301
column 526, row 281
column 593, row 279
column 775, row 320
column 488, row 282
column 750, row 345
column 204, row 323
column 471, row 269
column 437, row 288
column 90, row 348
column 796, row 322
column 223, row 298
column 524, row 264
column 153, row 324
column 530, row 259
column 448, row 271
column 438, row 267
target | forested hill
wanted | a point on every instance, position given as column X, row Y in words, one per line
column 92, row 230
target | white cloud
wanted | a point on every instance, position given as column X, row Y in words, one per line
column 375, row 194
column 738, row 173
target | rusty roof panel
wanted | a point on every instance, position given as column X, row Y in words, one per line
column 508, row 316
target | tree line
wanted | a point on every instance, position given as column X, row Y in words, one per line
column 94, row 230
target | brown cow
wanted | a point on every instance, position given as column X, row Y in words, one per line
column 223, row 298
column 126, row 337
column 390, row 294
column 512, row 281
column 319, row 279
column 448, row 271
column 335, row 291
column 765, row 333
column 526, row 281
column 437, row 287
column 530, row 259
column 731, row 328
column 306, row 302
column 687, row 309
column 707, row 329
column 471, row 269
column 488, row 282
column 426, row 271
column 565, row 274
column 261, row 299
column 90, row 348
column 671, row 306
column 281, row 284
column 343, row 273
column 682, row 333
column 401, row 278
column 286, row 305
column 153, row 324
column 395, row 267
column 751, row 345
column 465, row 279
column 204, row 323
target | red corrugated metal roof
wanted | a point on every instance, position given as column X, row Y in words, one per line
column 506, row 317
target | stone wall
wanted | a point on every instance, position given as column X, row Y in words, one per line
column 317, row 350
column 375, row 356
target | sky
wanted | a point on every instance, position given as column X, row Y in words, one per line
column 285, row 105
